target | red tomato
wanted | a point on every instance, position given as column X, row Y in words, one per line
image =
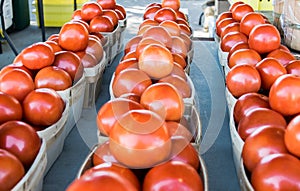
column 112, row 15
column 156, row 61
column 16, row 83
column 181, row 131
column 178, row 71
column 173, row 175
column 107, row 4
column 10, row 108
column 151, row 144
column 185, row 29
column 87, row 59
column 232, row 27
column 130, row 80
column 181, row 85
column 119, row 14
column 121, row 8
column 182, row 21
column 54, row 45
column 223, row 24
column 21, row 140
column 132, row 44
column 84, row 23
column 172, row 27
column 145, row 42
column 73, row 36
column 223, row 15
column 150, row 22
column 37, row 55
column 264, row 38
column 186, row 40
column 76, row 14
column 159, row 33
column 164, row 99
column 244, row 56
column 181, row 15
column 179, row 47
column 129, row 55
column 232, row 38
column 269, row 69
column 233, row 5
column 43, row 107
column 11, row 170
column 102, row 38
column 17, row 64
column 53, row 77
column 89, row 10
column 173, row 4
column 283, row 56
column 54, row 37
column 143, row 29
column 69, row 62
column 257, row 118
column 248, row 102
column 291, row 137
column 95, row 48
column 284, row 95
column 101, row 24
column 237, row 46
column 165, row 13
column 249, row 21
column 282, row 169
column 262, row 142
column 150, row 12
column 131, row 96
column 293, row 67
column 153, row 4
column 240, row 10
column 178, row 59
column 128, row 63
column 112, row 111
column 243, row 79
column 102, row 155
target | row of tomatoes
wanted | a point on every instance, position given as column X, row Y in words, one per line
column 149, row 146
column 264, row 78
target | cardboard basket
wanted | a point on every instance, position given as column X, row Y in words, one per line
column 243, row 178
column 231, row 100
column 112, row 47
column 33, row 179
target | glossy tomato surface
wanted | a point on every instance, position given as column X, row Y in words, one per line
column 244, row 56
column 232, row 38
column 181, row 85
column 101, row 24
column 172, row 27
column 89, row 10
column 102, row 154
column 249, row 21
column 95, row 48
column 175, row 5
column 165, row 13
column 293, row 67
column 291, row 137
column 159, row 33
column 240, row 10
column 126, row 63
column 112, row 15
column 283, row 56
column 10, row 108
column 107, row 4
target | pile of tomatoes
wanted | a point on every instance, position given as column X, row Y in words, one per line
column 149, row 145
column 264, row 78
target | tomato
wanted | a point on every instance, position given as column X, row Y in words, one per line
column 107, row 177
column 243, row 79
column 53, row 77
column 89, row 10
column 17, row 64
column 185, row 29
column 164, row 99
column 181, row 135
column 150, row 12
column 264, row 38
column 178, row 71
column 121, row 8
column 101, row 24
column 231, row 27
column 244, row 56
column 43, row 107
column 269, row 69
column 173, row 175
column 128, row 63
column 143, row 29
column 54, row 37
column 69, row 62
column 112, row 111
column 11, row 170
column 21, row 140
column 102, row 38
column 232, row 38
column 140, row 134
column 107, row 4
column 237, row 46
column 130, row 80
column 179, row 60
column 249, row 21
column 291, row 137
column 102, row 155
column 284, row 95
column 172, row 27
column 119, row 14
column 233, row 5
column 257, row 118
column 76, row 14
column 181, row 85
column 262, row 142
column 129, row 55
column 165, row 13
column 179, row 47
column 10, row 108
column 131, row 96
column 73, row 36
column 159, row 33
column 181, row 15
column 240, row 10
column 88, row 60
column 153, row 4
column 54, row 45
column 95, row 48
column 293, row 67
column 181, row 20
column 223, row 24
column 223, row 15
column 283, row 56
column 173, row 4
column 150, row 22
column 187, row 40
column 282, row 169
column 16, row 83
column 112, row 15
column 145, row 42
column 132, row 44
column 37, row 55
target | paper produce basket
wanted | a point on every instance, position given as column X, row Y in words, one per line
column 231, row 100
column 244, row 178
column 121, row 35
column 112, row 47
column 33, row 179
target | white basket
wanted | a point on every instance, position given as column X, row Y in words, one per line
column 33, row 179
column 190, row 56
column 120, row 38
column 93, row 79
column 231, row 100
column 54, row 138
column 243, row 178
column 112, row 48
column 123, row 23
column 222, row 56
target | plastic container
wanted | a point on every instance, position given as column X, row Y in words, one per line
column 33, row 179
column 54, row 138
column 93, row 77
column 8, row 14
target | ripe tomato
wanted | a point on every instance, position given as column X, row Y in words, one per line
column 248, row 102
column 284, row 95
column 17, row 64
column 37, row 56
column 243, row 79
column 132, row 44
column 21, row 140
column 130, row 80
column 153, row 4
column 54, row 45
column 165, row 13
column 95, row 48
column 150, row 22
column 76, row 14
column 232, row 38
column 293, row 67
column 240, row 10
column 112, row 15
column 69, row 62
column 173, row 175
column 172, row 27
column 173, row 4
column 10, row 108
column 119, row 14
column 282, row 169
column 156, row 61
column 107, row 4
column 164, row 99
column 186, row 40
column 140, row 133
column 223, row 15
column 249, row 21
column 237, row 46
column 291, row 137
column 102, row 155
column 257, row 118
column 89, row 10
column 232, row 27
column 262, row 142
column 150, row 12
column 129, row 55
column 179, row 47
column 264, row 38
column 179, row 60
column 180, row 130
column 101, row 24
column 112, row 111
column 11, row 170
column 223, row 24
column 16, row 83
column 283, row 56
column 73, row 36
column 43, row 107
column 53, row 77
column 87, row 59
column 145, row 42
column 128, row 63
column 159, row 33
column 244, row 56
column 121, row 8
column 181, row 85
column 269, row 69
column 233, row 5
column 178, row 71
